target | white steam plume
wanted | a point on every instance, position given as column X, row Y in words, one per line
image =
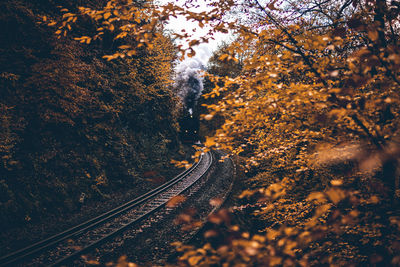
column 189, row 77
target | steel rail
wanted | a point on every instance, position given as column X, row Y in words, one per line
column 51, row 241
column 118, row 231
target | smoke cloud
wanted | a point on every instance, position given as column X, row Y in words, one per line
column 189, row 77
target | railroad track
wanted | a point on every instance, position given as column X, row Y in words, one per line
column 65, row 247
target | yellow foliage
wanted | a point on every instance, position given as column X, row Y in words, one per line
column 312, row 92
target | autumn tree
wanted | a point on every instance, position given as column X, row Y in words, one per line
column 314, row 108
column 71, row 121
column 312, row 111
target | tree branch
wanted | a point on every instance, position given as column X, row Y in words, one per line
column 306, row 59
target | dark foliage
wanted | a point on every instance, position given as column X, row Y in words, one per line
column 71, row 122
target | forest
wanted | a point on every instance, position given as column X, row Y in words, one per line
column 72, row 122
column 304, row 97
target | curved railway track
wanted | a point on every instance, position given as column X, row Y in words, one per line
column 64, row 247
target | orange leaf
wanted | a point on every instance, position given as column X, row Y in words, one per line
column 373, row 35
column 175, row 201
column 107, row 15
